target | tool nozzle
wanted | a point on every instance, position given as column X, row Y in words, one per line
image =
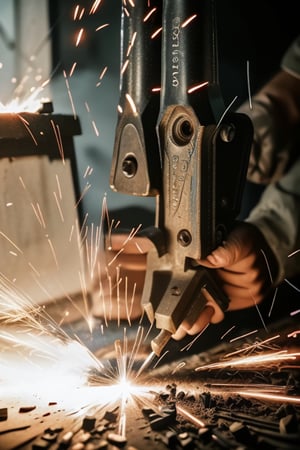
column 160, row 341
column 157, row 345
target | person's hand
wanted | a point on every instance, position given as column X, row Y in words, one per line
column 246, row 268
column 119, row 280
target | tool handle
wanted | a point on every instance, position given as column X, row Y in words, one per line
column 189, row 58
column 135, row 168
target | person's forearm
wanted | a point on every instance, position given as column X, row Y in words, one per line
column 277, row 217
column 275, row 113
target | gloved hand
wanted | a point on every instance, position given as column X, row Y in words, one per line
column 275, row 116
column 246, row 268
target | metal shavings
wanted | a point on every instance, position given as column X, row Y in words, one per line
column 26, row 409
column 3, row 414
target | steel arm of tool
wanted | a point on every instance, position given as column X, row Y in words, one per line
column 195, row 162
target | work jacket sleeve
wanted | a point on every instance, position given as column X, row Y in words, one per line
column 277, row 215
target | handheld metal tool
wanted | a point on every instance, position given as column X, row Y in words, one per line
column 178, row 143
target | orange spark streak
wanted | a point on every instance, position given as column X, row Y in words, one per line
column 294, row 253
column 84, row 293
column 71, row 233
column 156, row 33
column 58, row 187
column 53, row 252
column 59, row 207
column 273, row 302
column 131, row 103
column 132, row 299
column 83, row 193
column 188, row 21
column 293, row 334
column 41, row 215
column 102, row 26
column 280, row 398
column 38, row 215
column 243, row 336
column 26, row 124
column 249, row 361
column 227, row 109
column 86, row 172
column 58, row 138
column 147, row 17
column 131, row 43
column 83, row 224
column 267, row 264
column 249, row 347
column 69, row 94
column 227, row 332
column 187, row 415
column 178, row 367
column 22, row 183
column 160, row 358
column 34, row 269
column 139, row 247
column 126, row 301
column 197, row 87
column 190, row 344
column 79, row 36
column 292, row 285
column 76, row 12
column 115, row 257
column 136, row 346
column 95, row 6
column 118, row 281
column 103, row 73
column 95, row 128
column 72, row 69
column 82, row 13
column 124, row 67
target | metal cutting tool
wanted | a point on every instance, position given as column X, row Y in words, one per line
column 176, row 140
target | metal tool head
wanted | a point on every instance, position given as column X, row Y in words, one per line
column 194, row 161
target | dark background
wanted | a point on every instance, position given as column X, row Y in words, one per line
column 258, row 31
